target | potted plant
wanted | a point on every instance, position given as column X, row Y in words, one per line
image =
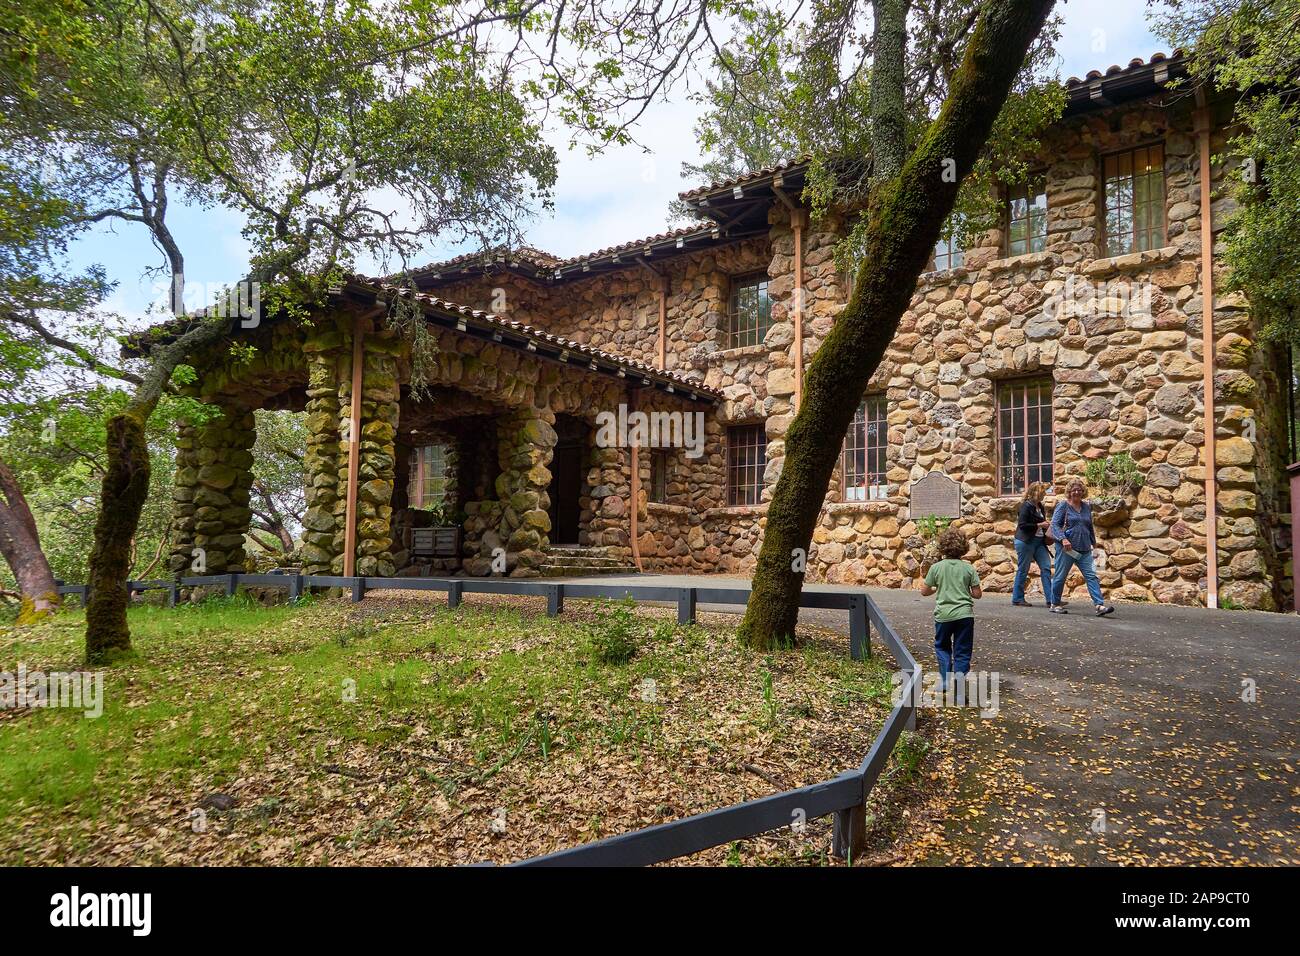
column 1114, row 482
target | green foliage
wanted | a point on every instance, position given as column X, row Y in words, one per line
column 788, row 90
column 1251, row 49
column 1116, row 474
column 613, row 635
column 930, row 527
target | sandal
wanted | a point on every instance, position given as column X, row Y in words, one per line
column 1021, row 604
column 1104, row 609
column 1057, row 609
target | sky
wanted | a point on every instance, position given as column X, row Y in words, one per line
column 618, row 196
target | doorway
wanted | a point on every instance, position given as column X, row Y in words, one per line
column 568, row 465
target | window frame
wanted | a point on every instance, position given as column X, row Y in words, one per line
column 737, row 337
column 421, row 475
column 1109, row 235
column 657, row 492
column 1032, row 471
column 1037, row 178
column 955, row 256
column 753, row 469
column 869, row 490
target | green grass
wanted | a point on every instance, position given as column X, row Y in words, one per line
column 227, row 690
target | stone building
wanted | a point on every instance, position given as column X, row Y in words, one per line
column 1075, row 332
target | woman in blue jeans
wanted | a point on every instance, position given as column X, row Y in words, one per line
column 1031, row 545
column 1075, row 540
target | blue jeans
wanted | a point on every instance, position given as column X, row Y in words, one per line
column 953, row 643
column 1027, row 552
column 1083, row 560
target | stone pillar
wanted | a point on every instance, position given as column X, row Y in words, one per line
column 326, row 351
column 377, row 471
column 525, row 448
column 213, row 478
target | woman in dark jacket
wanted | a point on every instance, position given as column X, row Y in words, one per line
column 1031, row 545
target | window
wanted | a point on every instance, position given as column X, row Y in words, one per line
column 864, row 452
column 428, row 486
column 1024, row 434
column 659, row 476
column 746, row 462
column 751, row 311
column 1027, row 217
column 948, row 253
column 1135, row 200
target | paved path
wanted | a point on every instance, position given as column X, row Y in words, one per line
column 1118, row 740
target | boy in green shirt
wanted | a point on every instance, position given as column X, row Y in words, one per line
column 955, row 585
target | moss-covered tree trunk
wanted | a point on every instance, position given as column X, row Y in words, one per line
column 123, row 492
column 906, row 215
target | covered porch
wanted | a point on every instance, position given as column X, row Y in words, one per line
column 481, row 456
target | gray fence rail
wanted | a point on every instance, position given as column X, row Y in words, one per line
column 843, row 796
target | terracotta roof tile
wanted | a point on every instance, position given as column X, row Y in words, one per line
column 686, row 384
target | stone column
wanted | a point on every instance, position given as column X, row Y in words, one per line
column 325, row 352
column 213, row 478
column 377, row 469
column 525, row 448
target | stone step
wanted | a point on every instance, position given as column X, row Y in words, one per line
column 572, row 560
column 580, row 571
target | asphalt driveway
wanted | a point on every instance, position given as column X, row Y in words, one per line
column 1159, row 735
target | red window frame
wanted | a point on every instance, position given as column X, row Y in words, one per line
column 866, row 447
column 1026, row 443
column 746, row 462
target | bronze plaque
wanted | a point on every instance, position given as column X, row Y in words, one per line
column 935, row 494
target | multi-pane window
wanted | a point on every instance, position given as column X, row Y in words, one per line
column 428, row 487
column 1027, row 217
column 1135, row 200
column 659, row 476
column 750, row 313
column 948, row 253
column 1024, row 434
column 865, row 446
column 746, row 462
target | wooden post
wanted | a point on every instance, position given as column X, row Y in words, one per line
column 454, row 592
column 554, row 600
column 354, row 454
column 859, row 629
column 634, row 395
column 797, row 220
column 686, row 606
column 849, row 832
column 1203, row 126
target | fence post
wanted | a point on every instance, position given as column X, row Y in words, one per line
column 455, row 590
column 849, row 832
column 554, row 600
column 686, row 606
column 173, row 593
column 859, row 628
column 295, row 587
column 232, row 584
column 358, row 589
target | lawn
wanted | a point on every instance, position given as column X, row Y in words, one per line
column 398, row 731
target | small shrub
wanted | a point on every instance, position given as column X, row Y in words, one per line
column 613, row 634
column 931, row 526
column 1115, row 475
